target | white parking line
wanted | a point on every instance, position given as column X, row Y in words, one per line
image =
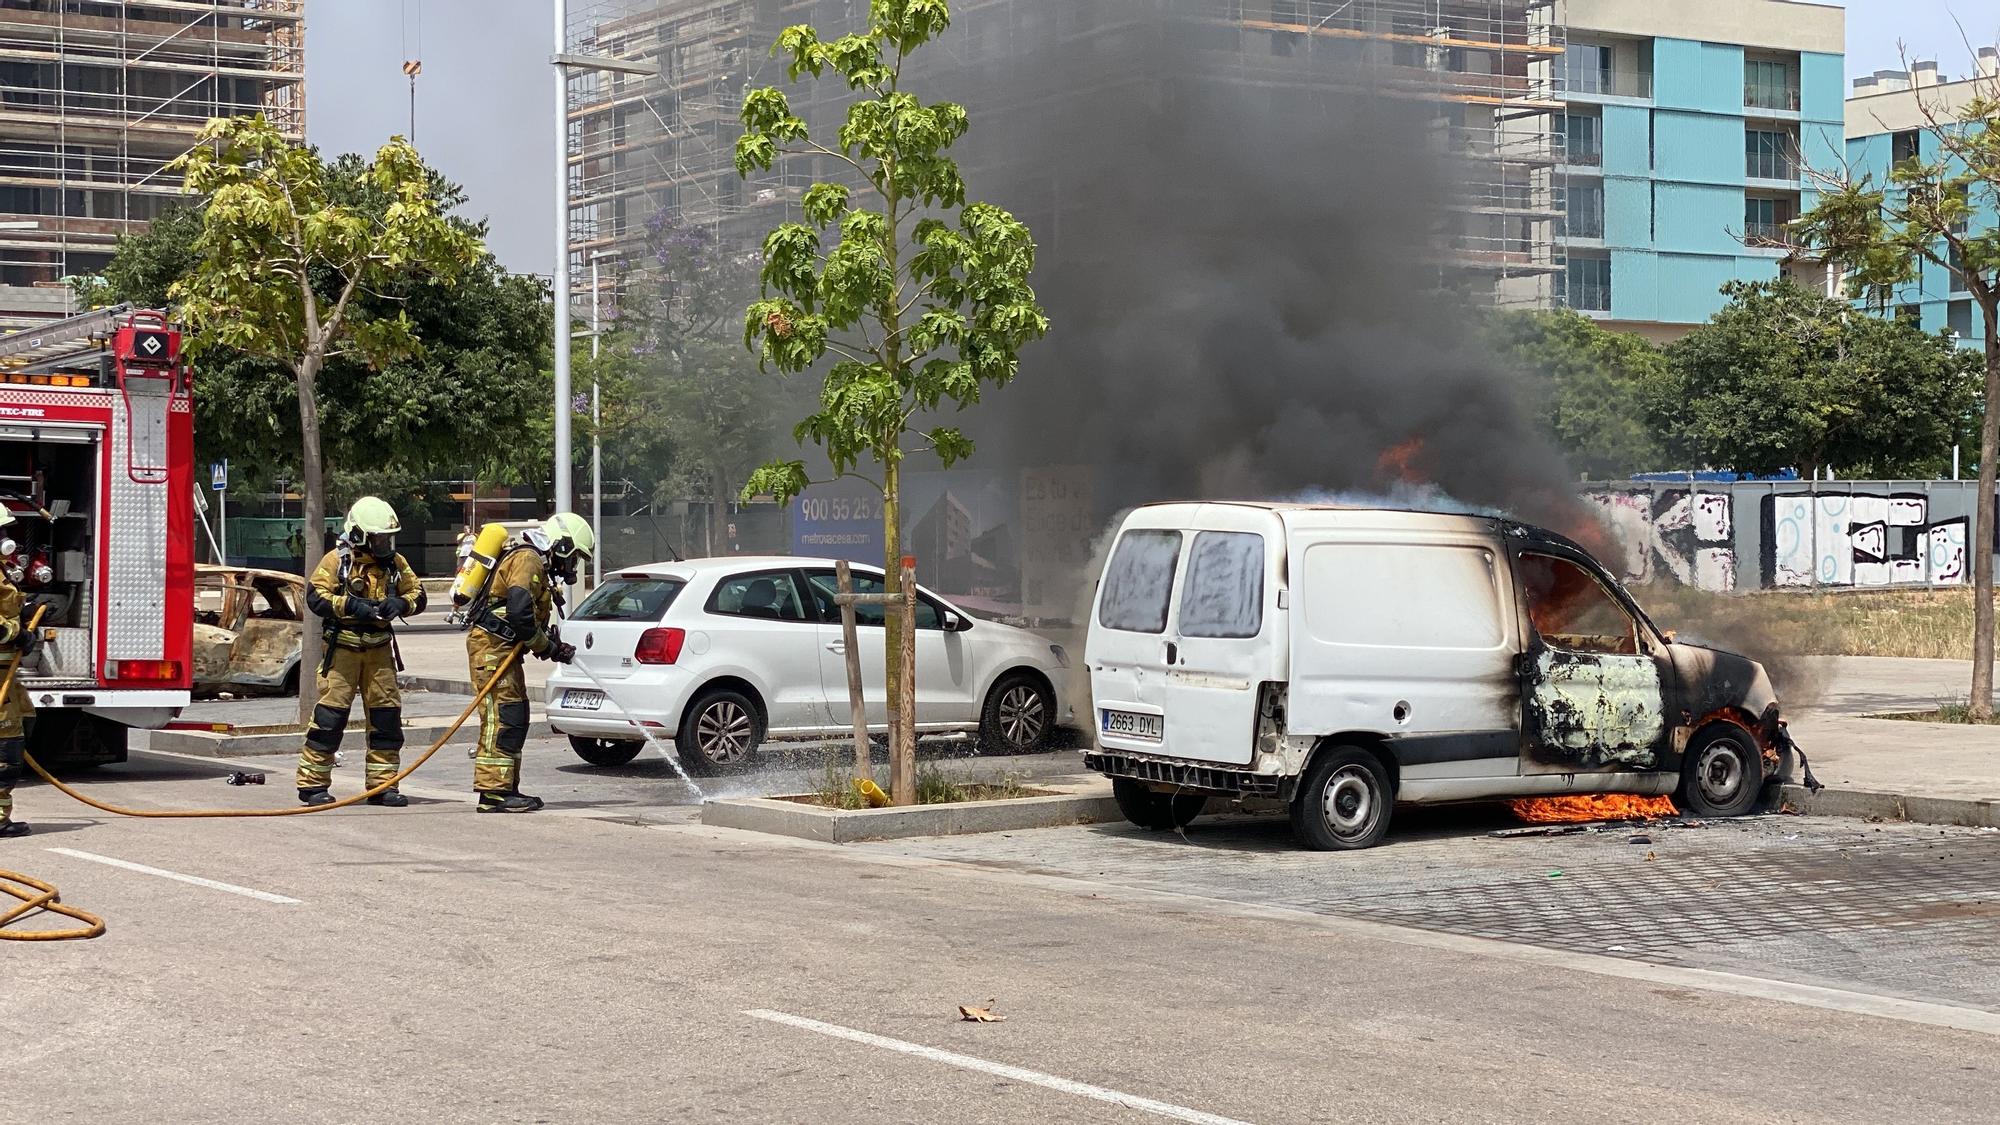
column 246, row 892
column 1000, row 1070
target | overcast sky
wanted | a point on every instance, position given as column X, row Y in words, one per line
column 485, row 100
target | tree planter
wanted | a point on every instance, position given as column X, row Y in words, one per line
column 791, row 816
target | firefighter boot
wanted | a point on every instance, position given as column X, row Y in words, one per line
column 315, row 797
column 389, row 798
column 497, row 801
column 12, row 828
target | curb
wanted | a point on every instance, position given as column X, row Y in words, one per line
column 1864, row 804
column 458, row 687
column 263, row 741
column 847, row 826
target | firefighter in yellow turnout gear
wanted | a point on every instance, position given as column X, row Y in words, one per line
column 15, row 646
column 518, row 607
column 360, row 588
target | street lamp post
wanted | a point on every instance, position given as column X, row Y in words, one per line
column 564, row 62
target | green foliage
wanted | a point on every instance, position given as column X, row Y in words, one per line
column 1786, row 378
column 459, row 404
column 1589, row 387
column 907, row 333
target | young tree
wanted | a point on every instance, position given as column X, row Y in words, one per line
column 1784, row 378
column 916, row 311
column 1939, row 208
column 1590, row 387
column 283, row 260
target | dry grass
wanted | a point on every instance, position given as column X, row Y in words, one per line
column 1935, row 624
column 836, row 789
column 1948, row 711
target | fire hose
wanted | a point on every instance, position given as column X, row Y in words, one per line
column 45, row 896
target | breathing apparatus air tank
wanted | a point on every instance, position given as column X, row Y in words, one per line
column 476, row 567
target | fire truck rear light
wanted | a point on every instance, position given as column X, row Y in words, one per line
column 39, row 380
column 160, row 670
column 17, row 379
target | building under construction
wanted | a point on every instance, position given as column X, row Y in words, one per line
column 1487, row 71
column 98, row 97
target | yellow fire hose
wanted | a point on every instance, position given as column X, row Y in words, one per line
column 44, row 896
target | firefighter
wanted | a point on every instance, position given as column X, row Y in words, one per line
column 360, row 588
column 518, row 608
column 14, row 709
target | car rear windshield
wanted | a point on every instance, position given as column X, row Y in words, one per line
column 630, row 599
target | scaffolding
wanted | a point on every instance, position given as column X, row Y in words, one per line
column 643, row 148
column 97, row 98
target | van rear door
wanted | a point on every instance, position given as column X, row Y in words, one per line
column 1126, row 649
column 1223, row 647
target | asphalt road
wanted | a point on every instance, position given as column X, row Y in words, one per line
column 616, row 961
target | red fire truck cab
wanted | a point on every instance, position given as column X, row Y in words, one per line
column 97, row 468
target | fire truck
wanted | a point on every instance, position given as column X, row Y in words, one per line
column 97, row 467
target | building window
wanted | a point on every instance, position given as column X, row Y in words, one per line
column 1583, row 138
column 1903, row 146
column 1955, row 265
column 1958, row 318
column 1770, row 84
column 1764, row 220
column 1769, row 155
column 1585, row 284
column 1583, row 210
column 1586, row 69
column 1910, row 314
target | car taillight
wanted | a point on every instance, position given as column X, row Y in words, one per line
column 160, row 670
column 660, row 646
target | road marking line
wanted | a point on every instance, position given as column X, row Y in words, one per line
column 1000, row 1070
column 246, row 892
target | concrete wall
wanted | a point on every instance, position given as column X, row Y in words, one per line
column 1790, row 535
column 1776, row 24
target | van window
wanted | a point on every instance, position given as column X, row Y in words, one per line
column 1399, row 595
column 1139, row 581
column 1224, row 593
column 1572, row 610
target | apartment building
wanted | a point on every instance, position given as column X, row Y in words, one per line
column 97, row 97
column 642, row 147
column 1688, row 131
column 1886, row 124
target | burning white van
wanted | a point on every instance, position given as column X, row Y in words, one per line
column 1344, row 659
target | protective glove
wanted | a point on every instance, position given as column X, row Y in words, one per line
column 28, row 642
column 394, row 608
column 365, row 610
column 562, row 652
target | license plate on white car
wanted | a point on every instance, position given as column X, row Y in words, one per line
column 1132, row 725
column 582, row 700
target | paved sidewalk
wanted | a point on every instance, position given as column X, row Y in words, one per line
column 437, row 661
column 1952, row 769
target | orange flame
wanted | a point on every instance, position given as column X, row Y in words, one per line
column 1591, row 806
column 1399, row 462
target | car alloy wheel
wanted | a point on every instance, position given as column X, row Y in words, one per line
column 1022, row 716
column 725, row 732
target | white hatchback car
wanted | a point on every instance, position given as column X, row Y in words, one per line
column 724, row 653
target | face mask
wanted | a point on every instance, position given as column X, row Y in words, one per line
column 382, row 546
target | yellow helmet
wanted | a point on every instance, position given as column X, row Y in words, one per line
column 569, row 534
column 372, row 522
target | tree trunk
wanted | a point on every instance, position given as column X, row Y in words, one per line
column 313, row 535
column 1982, row 530
column 892, row 583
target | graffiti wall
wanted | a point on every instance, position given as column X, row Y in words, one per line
column 1724, row 537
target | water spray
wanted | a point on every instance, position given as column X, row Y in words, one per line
column 672, row 753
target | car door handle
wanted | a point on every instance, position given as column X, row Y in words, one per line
column 838, row 648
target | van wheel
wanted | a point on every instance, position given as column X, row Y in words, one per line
column 606, row 751
column 1017, row 716
column 720, row 732
column 1344, row 801
column 1156, row 812
column 1722, row 774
